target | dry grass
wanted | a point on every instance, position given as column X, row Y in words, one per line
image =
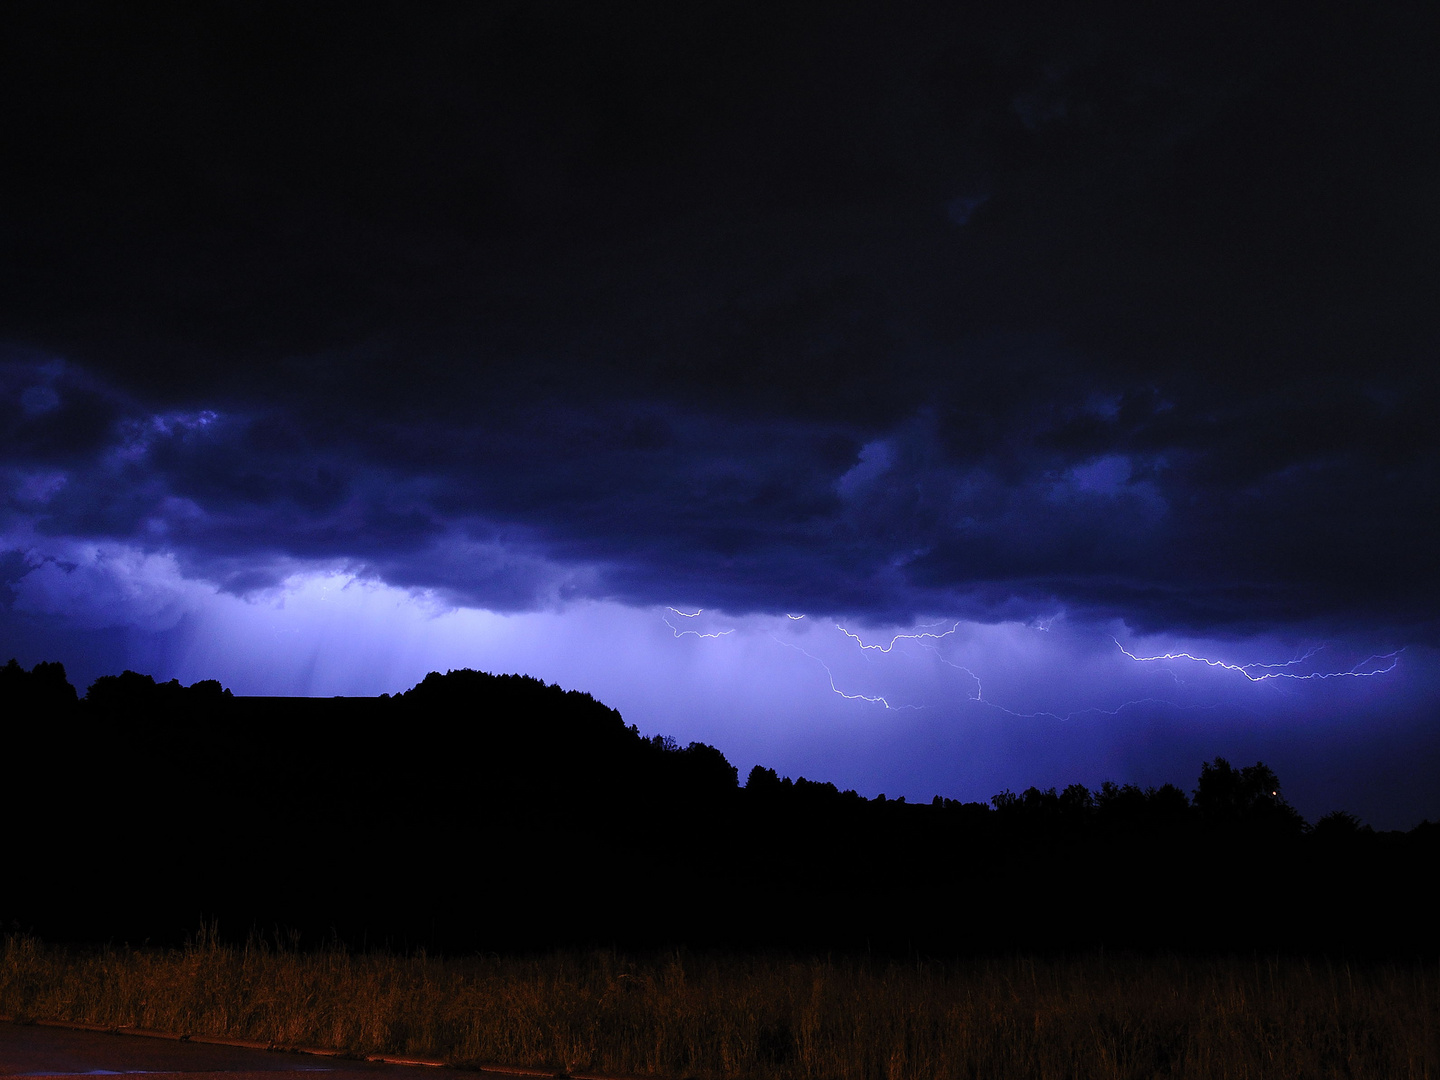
column 764, row 1016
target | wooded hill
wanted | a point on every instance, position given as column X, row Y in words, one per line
column 488, row 812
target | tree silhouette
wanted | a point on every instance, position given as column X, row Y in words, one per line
column 42, row 687
column 1227, row 797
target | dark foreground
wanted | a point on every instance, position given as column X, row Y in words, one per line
column 762, row 1017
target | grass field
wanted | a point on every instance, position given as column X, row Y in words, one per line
column 696, row 1015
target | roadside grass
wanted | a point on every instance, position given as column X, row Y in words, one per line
column 765, row 1016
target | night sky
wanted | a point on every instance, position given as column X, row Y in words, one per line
column 878, row 392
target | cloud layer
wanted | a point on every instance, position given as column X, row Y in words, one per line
column 648, row 503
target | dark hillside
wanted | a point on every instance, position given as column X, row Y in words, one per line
column 474, row 810
column 495, row 812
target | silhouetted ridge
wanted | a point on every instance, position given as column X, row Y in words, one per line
column 498, row 811
column 521, row 735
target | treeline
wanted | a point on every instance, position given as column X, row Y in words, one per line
column 487, row 812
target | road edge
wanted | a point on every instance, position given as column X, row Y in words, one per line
column 314, row 1051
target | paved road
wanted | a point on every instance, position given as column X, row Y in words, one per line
column 36, row 1052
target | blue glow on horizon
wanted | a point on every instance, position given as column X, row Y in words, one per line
column 870, row 706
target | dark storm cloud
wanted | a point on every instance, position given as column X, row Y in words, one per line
column 971, row 309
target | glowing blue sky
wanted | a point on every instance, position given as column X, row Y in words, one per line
column 958, row 708
column 336, row 351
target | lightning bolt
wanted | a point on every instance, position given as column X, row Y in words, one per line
column 1268, row 672
column 898, row 637
column 877, row 699
column 926, row 640
column 930, row 639
column 691, row 633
